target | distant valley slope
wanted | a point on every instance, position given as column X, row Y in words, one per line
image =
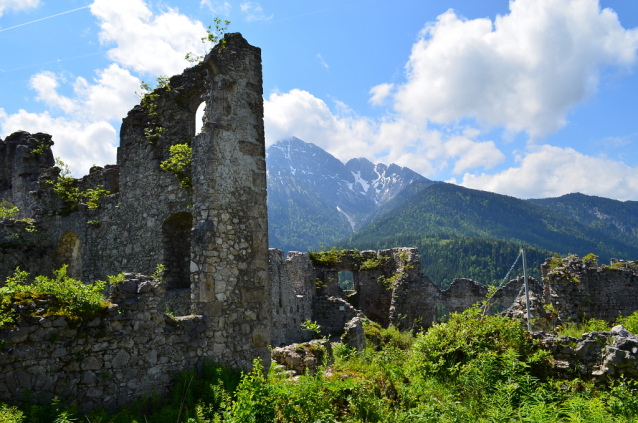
column 453, row 210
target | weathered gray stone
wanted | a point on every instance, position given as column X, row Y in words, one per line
column 304, row 358
column 596, row 354
column 353, row 335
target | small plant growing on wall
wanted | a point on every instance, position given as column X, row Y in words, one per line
column 8, row 210
column 64, row 186
column 212, row 36
column 311, row 326
column 178, row 163
column 41, row 147
column 159, row 272
column 92, row 196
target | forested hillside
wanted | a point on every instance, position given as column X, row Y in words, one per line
column 453, row 210
column 616, row 219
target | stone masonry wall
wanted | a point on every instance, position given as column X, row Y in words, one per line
column 389, row 288
column 578, row 289
column 132, row 349
column 212, row 237
column 289, row 309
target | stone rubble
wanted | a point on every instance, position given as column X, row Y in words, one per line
column 303, row 358
column 353, row 334
column 596, row 355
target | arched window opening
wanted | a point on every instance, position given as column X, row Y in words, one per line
column 199, row 118
column 69, row 252
column 346, row 281
column 176, row 240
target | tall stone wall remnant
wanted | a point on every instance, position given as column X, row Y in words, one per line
column 211, row 235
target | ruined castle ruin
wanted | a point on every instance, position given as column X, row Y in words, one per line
column 211, row 236
column 224, row 296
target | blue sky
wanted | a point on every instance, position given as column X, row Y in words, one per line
column 530, row 98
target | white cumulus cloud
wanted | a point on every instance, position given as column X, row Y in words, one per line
column 17, row 5
column 346, row 135
column 83, row 136
column 380, row 93
column 148, row 43
column 549, row 171
column 80, row 144
column 524, row 71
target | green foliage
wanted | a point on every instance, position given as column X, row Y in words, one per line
column 451, row 350
column 116, row 279
column 65, row 186
column 576, row 329
column 153, row 134
column 591, row 259
column 630, row 322
column 213, row 36
column 311, row 326
column 379, row 337
column 92, row 196
column 41, row 147
column 328, row 258
column 159, row 272
column 149, row 95
column 471, row 369
column 8, row 210
column 253, row 403
column 73, row 299
column 178, row 163
column 371, row 264
column 388, row 283
column 10, row 414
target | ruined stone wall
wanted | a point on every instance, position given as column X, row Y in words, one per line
column 288, row 308
column 578, row 289
column 389, row 289
column 25, row 249
column 131, row 349
column 332, row 314
column 212, row 237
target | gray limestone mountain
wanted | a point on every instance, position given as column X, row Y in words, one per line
column 313, row 197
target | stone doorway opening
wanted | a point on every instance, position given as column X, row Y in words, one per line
column 69, row 252
column 176, row 243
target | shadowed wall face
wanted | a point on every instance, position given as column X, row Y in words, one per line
column 176, row 240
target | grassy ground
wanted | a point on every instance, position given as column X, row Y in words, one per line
column 469, row 369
